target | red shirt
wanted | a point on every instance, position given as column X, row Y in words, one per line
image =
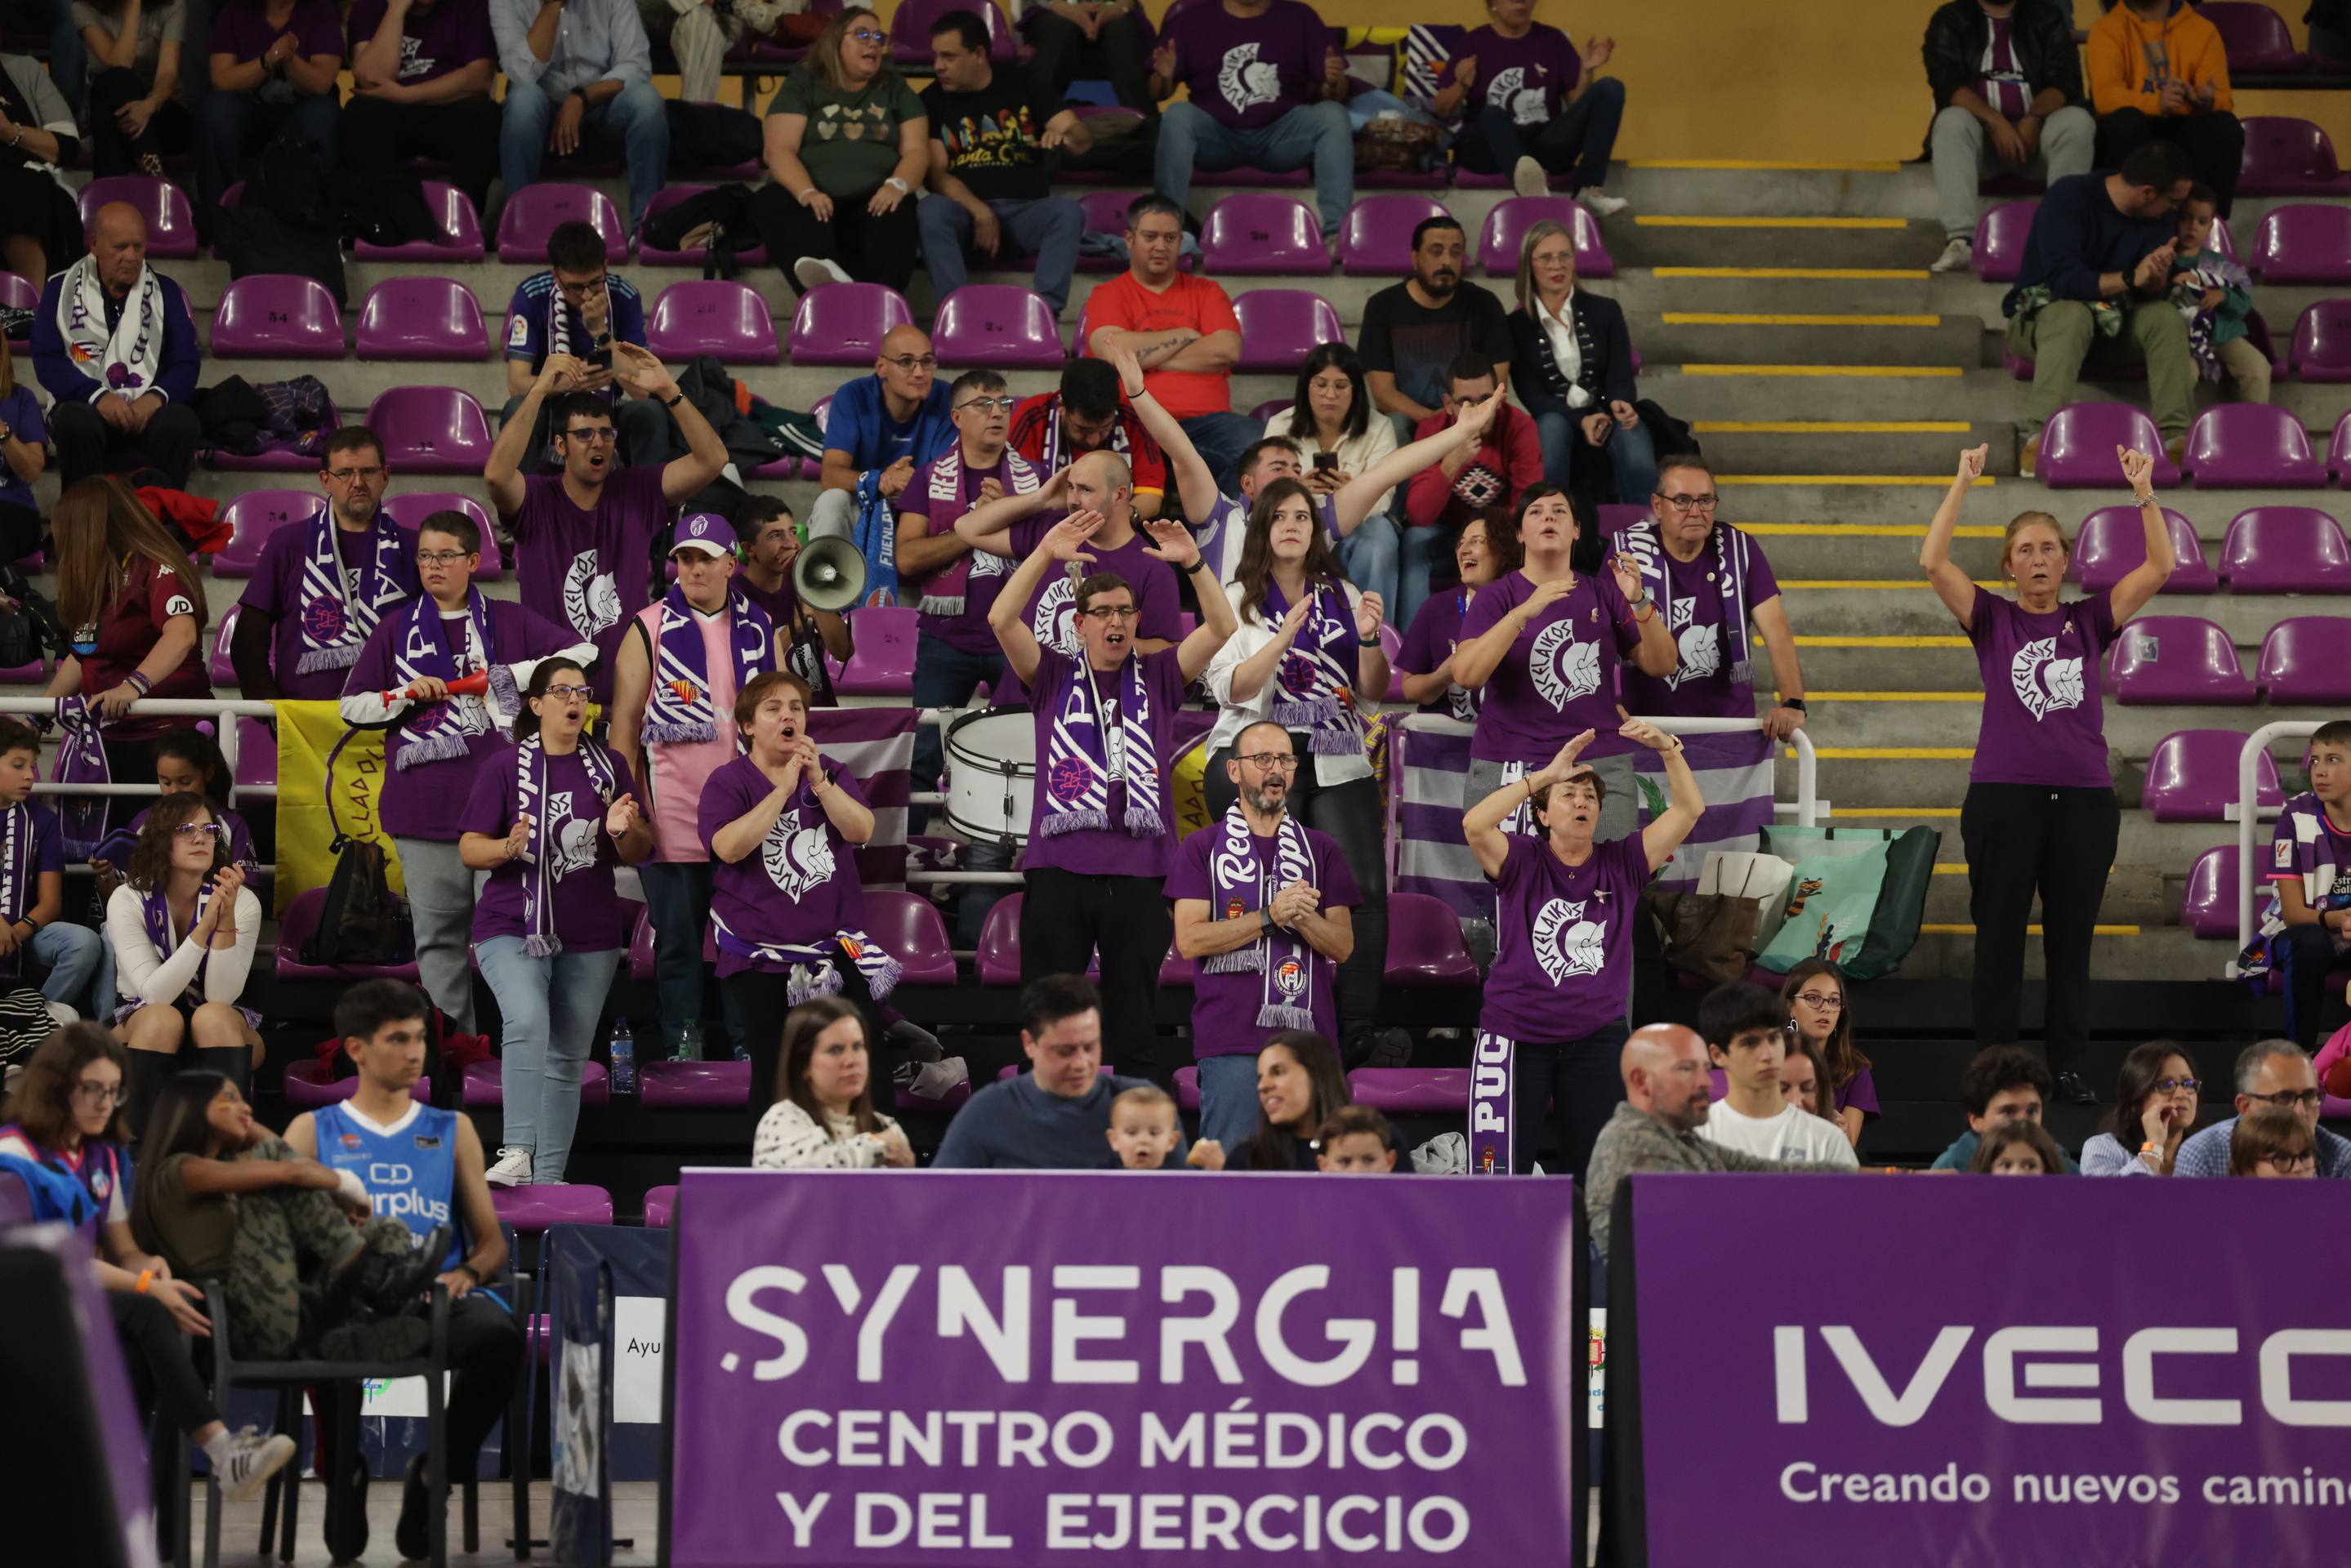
column 127, row 629
column 1508, row 460
column 1038, row 435
column 1193, row 303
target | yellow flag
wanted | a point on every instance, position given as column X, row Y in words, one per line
column 1189, row 789
column 307, row 735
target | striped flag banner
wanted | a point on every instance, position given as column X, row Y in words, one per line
column 1734, row 774
column 877, row 746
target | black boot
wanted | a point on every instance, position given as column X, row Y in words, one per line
column 150, row 1071
column 413, row 1534
column 393, row 1284
column 234, row 1062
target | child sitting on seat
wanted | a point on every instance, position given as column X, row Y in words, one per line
column 2216, row 294
column 1144, row 1130
column 1355, row 1140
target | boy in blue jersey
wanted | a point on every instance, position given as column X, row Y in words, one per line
column 424, row 1167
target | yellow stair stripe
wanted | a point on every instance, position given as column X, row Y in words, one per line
column 1889, row 753
column 1869, row 166
column 1937, row 929
column 1881, row 371
column 1921, row 481
column 1833, row 426
column 1896, row 696
column 1772, row 318
column 1703, row 221
column 1800, row 274
column 1849, row 642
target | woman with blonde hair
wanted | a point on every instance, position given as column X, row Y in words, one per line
column 839, row 206
column 2041, row 815
column 24, row 456
column 1572, row 366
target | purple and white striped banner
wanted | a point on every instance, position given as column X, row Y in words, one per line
column 1734, row 774
column 877, row 746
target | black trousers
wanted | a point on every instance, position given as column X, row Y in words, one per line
column 162, row 1373
column 2306, row 957
column 1572, row 1086
column 1066, row 917
column 2213, row 138
column 1115, row 52
column 380, row 137
column 881, row 250
column 1350, row 812
column 20, row 531
column 762, row 1000
column 2059, row 842
column 87, row 444
column 170, row 129
column 485, row 1357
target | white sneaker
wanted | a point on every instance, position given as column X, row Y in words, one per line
column 1600, row 203
column 815, row 272
column 250, row 1461
column 512, row 1170
column 1528, row 178
column 1959, row 255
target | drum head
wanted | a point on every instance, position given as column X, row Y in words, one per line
column 992, row 773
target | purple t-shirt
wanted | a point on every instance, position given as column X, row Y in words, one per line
column 943, row 502
column 801, row 888
column 1564, row 940
column 2044, row 721
column 242, row 28
column 1245, row 72
column 1697, row 615
column 1052, row 608
column 21, row 412
column 454, row 36
column 580, row 854
column 1559, row 678
column 1530, row 77
column 276, row 590
column 1225, row 1006
column 590, row 570
column 1106, row 851
column 1430, row 641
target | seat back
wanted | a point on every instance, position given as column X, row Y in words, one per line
column 252, row 518
column 2192, row 776
column 277, row 316
column 2306, row 658
column 650, row 255
column 908, row 927
column 1262, row 232
column 2251, row 445
column 1280, row 327
column 217, row 665
column 419, row 317
column 2001, row 234
column 2322, row 342
column 2112, row 544
column 2210, row 909
column 2077, row 446
column 2287, row 157
column 532, row 212
column 999, row 325
column 21, row 293
column 2285, row 550
column 1377, row 239
column 431, row 430
column 410, row 508
column 171, row 221
column 458, row 231
column 2164, row 659
column 2253, row 36
column 998, row 958
column 2338, row 452
column 844, row 323
column 2303, row 242
column 1505, row 232
column 882, row 664
column 713, row 315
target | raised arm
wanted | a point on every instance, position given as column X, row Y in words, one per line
column 503, row 473
column 642, row 375
column 1656, row 654
column 1952, row 586
column 1172, row 541
column 984, row 526
column 1669, row 827
column 1196, row 486
column 2144, row 581
column 1359, row 494
column 632, row 679
column 1482, row 826
column 1007, row 618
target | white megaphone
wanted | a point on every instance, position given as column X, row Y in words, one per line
column 828, row 574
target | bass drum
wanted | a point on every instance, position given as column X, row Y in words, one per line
column 992, row 774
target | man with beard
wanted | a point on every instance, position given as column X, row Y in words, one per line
column 1415, row 331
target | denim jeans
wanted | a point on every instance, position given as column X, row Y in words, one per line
column 1583, row 137
column 1631, row 454
column 677, row 898
column 1048, row 228
column 1368, row 556
column 1419, row 553
column 1315, row 134
column 549, row 1006
column 231, row 124
column 80, row 965
column 944, row 677
column 1220, row 438
column 979, row 898
column 630, row 126
column 1229, row 1109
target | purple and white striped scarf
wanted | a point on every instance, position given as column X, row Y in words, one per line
column 809, row 968
column 1647, row 546
column 81, row 760
column 1083, row 759
column 678, row 709
column 334, row 622
column 16, row 891
column 1240, row 878
column 155, row 912
column 944, row 590
column 550, row 854
column 1312, row 685
column 443, row 732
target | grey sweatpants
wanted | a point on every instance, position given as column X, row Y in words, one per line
column 441, row 906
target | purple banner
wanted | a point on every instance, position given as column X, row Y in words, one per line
column 1965, row 1370
column 991, row 1369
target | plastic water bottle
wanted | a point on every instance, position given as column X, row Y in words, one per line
column 689, row 1042
column 623, row 1059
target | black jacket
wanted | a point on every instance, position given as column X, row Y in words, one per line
column 2042, row 37
column 1535, row 375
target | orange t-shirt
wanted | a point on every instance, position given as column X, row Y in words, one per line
column 1187, row 302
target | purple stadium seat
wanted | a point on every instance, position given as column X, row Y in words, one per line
column 2192, row 776
column 1505, row 234
column 418, row 317
column 1256, row 234
column 1999, row 239
column 1105, row 215
column 431, row 430
column 2304, row 242
column 410, row 508
column 253, row 517
column 1175, row 971
column 217, row 664
column 171, row 221
column 882, row 664
column 910, row 31
column 909, row 928
column 650, row 254
column 844, row 323
column 1187, row 1089
column 2338, row 452
column 2306, row 658
column 1377, row 239
column 2112, row 544
column 257, row 751
column 1425, row 947
column 532, row 212
column 2322, row 342
column 695, row 1086
column 1001, row 325
column 308, row 1087
column 640, row 947
column 713, row 315
column 460, row 239
column 1268, row 409
column 531, row 1210
column 661, row 1202
column 1412, row 1091
column 301, row 923
column 22, row 292
column 2249, row 446
column 1280, row 327
column 275, row 316
column 2254, row 37
column 2286, row 550
column 2210, row 909
column 2288, row 158
column 483, row 1090
column 998, row 956
column 2175, row 659
column 2077, row 447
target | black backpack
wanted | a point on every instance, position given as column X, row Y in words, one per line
column 719, row 218
column 360, row 922
column 29, row 627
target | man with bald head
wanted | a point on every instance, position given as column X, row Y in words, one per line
column 889, row 423
column 114, row 343
column 1666, row 1095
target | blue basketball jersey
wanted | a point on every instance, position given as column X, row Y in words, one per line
column 410, row 1168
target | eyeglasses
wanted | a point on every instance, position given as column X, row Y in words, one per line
column 443, row 557
column 569, row 693
column 2290, row 1164
column 203, row 829
column 345, row 475
column 983, row 404
column 2172, row 1085
column 580, row 290
column 1690, row 503
column 2289, row 1099
column 1109, row 613
column 1814, row 999
column 595, row 435
column 913, row 362
column 91, row 1094
column 1273, row 761
column 868, row 36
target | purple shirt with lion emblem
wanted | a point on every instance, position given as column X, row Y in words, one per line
column 2043, row 719
column 1564, row 940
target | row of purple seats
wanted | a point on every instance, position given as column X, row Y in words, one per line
column 2182, row 659
column 255, row 515
column 2229, row 446
column 2303, row 243
column 2255, row 38
column 1425, row 947
column 425, row 430
column 2267, row 550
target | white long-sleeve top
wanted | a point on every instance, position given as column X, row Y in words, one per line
column 1356, row 454
column 142, row 974
column 789, row 1139
column 1233, row 717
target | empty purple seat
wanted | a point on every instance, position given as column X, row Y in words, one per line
column 484, row 1089
column 2286, row 550
column 2250, row 446
column 431, row 430
column 2077, row 446
column 459, row 235
column 222, row 671
column 22, row 292
column 2112, row 544
column 1255, row 232
column 410, row 508
column 300, row 924
column 2192, row 776
column 1377, row 239
column 2214, row 895
column 640, row 947
column 1425, row 947
column 257, row 751
column 1505, row 232
column 1999, row 239
column 997, row 958
column 171, row 221
column 275, row 315
column 308, row 1087
column 2306, row 658
column 2322, row 342
column 533, row 212
column 2253, row 36
column 1280, row 327
column 882, row 664
column 2286, row 157
column 252, row 518
column 909, row 928
column 1187, row 1089
column 695, row 1086
column 713, row 315
column 531, row 1210
column 661, row 1202
column 417, row 318
column 650, row 255
column 1412, row 1091
column 844, row 323
column 2338, row 452
column 910, row 31
column 2175, row 659
column 1001, row 325
column 2305, row 243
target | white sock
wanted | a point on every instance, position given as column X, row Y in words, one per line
column 217, row 1450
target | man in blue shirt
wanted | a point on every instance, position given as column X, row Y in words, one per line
column 891, row 422
column 2273, row 1072
column 578, row 306
column 114, row 345
column 1056, row 1115
column 579, row 75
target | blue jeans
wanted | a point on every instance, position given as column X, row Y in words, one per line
column 1316, row 134
column 1632, row 455
column 1229, row 1109
column 1582, row 139
column 1048, row 228
column 1420, row 554
column 945, row 676
column 1368, row 556
column 68, row 56
column 979, row 898
column 81, row 968
column 1220, row 439
column 630, row 126
column 549, row 1006
column 231, row 124
column 678, row 896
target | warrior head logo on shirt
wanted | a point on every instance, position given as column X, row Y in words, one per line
column 574, row 837
column 798, row 858
column 1052, row 623
column 1564, row 668
column 1566, row 944
column 589, row 600
column 1700, row 647
column 1245, row 82
column 2046, row 683
column 1509, row 89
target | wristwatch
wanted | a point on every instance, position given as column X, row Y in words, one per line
column 1795, row 702
column 1265, row 923
column 902, row 187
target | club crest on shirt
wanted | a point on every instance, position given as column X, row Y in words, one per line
column 589, row 600
column 1566, row 944
column 322, row 620
column 574, row 838
column 1054, row 621
column 1246, row 81
column 1698, row 646
column 2046, row 683
column 798, row 858
column 1562, row 667
column 1512, row 90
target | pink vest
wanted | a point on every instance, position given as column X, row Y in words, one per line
column 676, row 772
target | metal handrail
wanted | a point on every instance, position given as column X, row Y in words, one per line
column 2248, row 755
